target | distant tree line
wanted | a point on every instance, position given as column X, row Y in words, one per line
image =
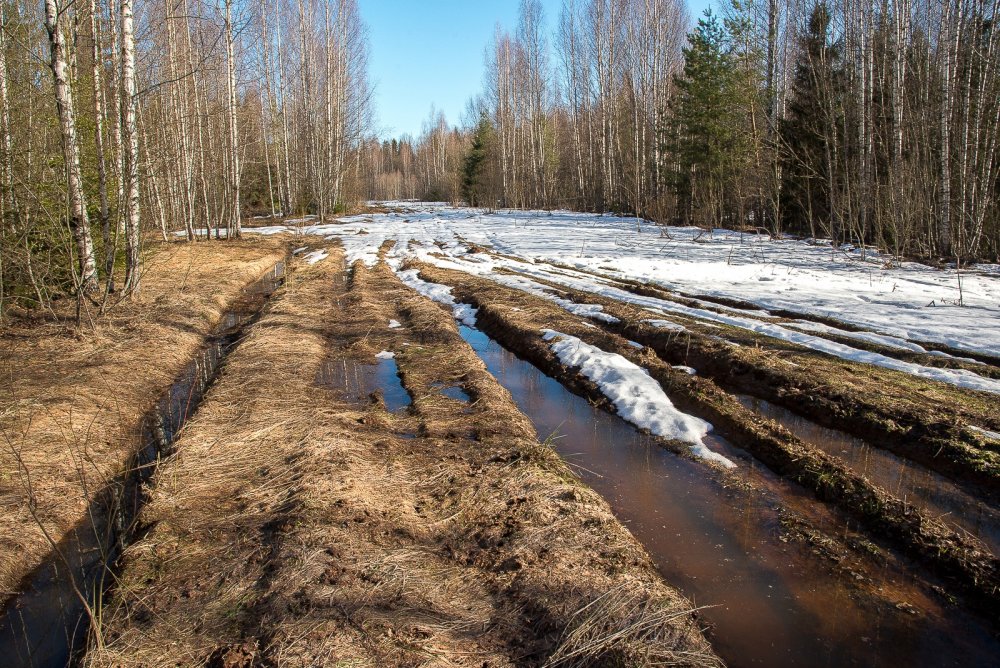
column 426, row 168
column 122, row 119
column 868, row 123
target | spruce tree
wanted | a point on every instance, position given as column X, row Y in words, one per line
column 709, row 138
column 811, row 131
column 474, row 164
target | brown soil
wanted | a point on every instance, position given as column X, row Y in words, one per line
column 292, row 528
column 922, row 420
column 514, row 318
column 71, row 401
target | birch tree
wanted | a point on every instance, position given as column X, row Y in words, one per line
column 7, row 210
column 233, row 224
column 130, row 140
column 79, row 220
column 97, row 70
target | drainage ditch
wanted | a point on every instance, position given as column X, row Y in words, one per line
column 47, row 624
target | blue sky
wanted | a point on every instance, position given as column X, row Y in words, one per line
column 430, row 52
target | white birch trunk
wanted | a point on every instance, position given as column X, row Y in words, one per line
column 102, row 172
column 7, row 210
column 130, row 139
column 7, row 201
column 234, row 214
column 944, row 220
column 79, row 220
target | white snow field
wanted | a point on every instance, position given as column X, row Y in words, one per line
column 902, row 307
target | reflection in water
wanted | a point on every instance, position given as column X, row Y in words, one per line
column 909, row 481
column 356, row 381
column 452, row 392
column 772, row 604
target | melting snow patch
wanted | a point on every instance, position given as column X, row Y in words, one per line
column 636, row 345
column 385, row 355
column 394, row 324
column 369, row 258
column 805, row 276
column 593, row 311
column 686, row 369
column 886, row 340
column 637, row 397
column 465, row 314
column 439, row 293
column 300, row 250
column 666, row 324
column 316, row 256
column 992, row 435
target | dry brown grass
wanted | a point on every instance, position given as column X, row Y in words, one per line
column 509, row 507
column 219, row 503
column 294, row 529
column 71, row 402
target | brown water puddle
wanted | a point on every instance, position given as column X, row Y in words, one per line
column 773, row 603
column 911, row 482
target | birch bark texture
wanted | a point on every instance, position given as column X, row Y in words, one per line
column 79, row 220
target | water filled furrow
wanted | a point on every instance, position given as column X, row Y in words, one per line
column 356, row 381
column 772, row 602
column 931, row 492
column 46, row 625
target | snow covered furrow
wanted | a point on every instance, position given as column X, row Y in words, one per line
column 957, row 377
column 637, row 397
column 900, row 306
column 441, row 294
column 890, row 341
column 315, row 256
column 593, row 311
column 893, row 342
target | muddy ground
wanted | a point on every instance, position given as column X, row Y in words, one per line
column 920, row 420
column 293, row 527
column 516, row 319
column 71, row 400
column 298, row 523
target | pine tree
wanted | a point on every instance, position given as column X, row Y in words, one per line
column 709, row 138
column 473, row 167
column 811, row 130
column 757, row 187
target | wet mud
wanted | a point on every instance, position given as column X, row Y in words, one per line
column 769, row 600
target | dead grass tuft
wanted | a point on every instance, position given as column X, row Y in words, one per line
column 624, row 628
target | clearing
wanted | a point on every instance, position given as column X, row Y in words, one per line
column 522, row 438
